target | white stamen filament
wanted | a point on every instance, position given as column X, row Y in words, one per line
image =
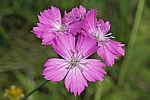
column 102, row 37
column 108, row 34
column 59, row 26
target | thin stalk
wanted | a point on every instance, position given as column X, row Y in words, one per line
column 132, row 40
column 26, row 82
column 34, row 90
column 99, row 89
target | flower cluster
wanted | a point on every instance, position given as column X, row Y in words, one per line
column 75, row 37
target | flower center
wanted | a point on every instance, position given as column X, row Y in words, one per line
column 60, row 28
column 100, row 37
column 74, row 62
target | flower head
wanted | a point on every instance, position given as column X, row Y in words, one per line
column 51, row 24
column 76, row 15
column 14, row 93
column 75, row 37
column 75, row 68
column 109, row 50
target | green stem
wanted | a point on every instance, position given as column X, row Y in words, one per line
column 132, row 40
column 99, row 89
column 34, row 90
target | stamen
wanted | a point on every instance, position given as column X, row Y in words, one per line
column 108, row 34
column 103, row 37
column 74, row 62
column 112, row 37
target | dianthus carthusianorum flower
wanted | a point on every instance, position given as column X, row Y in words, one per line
column 75, row 37
column 109, row 50
column 74, row 67
column 76, row 15
column 51, row 24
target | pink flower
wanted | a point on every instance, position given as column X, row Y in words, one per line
column 109, row 50
column 76, row 15
column 75, row 18
column 51, row 25
column 74, row 67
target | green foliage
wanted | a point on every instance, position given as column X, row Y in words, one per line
column 22, row 56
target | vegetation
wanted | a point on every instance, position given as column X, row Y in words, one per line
column 22, row 56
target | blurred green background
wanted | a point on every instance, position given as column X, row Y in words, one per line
column 22, row 56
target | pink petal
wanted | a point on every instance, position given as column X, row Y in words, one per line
column 115, row 48
column 110, row 51
column 93, row 70
column 64, row 44
column 90, row 22
column 49, row 22
column 76, row 15
column 55, row 69
column 106, row 55
column 75, row 82
column 106, row 27
column 82, row 9
column 103, row 27
column 117, row 43
column 51, row 17
column 74, row 19
column 86, row 46
column 47, row 38
column 75, row 27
